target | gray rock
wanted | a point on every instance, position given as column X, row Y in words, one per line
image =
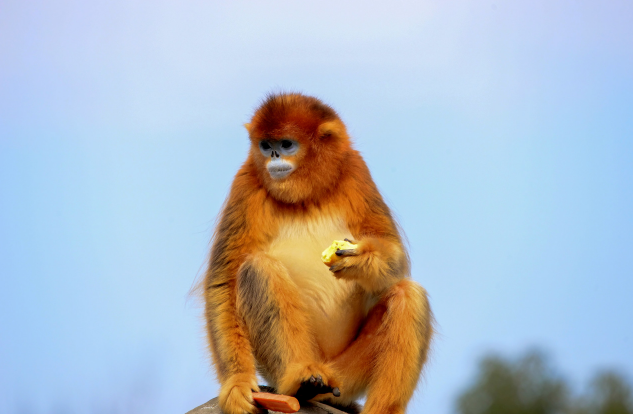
column 213, row 407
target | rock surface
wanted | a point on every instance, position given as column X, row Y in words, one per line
column 212, row 407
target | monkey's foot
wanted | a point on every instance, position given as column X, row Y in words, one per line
column 236, row 394
column 305, row 381
column 313, row 387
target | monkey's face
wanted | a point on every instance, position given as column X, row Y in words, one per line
column 280, row 156
column 298, row 147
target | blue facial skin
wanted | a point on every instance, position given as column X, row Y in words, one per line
column 279, row 168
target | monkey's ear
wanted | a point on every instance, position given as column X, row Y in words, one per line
column 331, row 128
column 248, row 127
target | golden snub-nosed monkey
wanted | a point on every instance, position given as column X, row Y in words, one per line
column 272, row 306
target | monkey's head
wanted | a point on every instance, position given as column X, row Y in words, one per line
column 298, row 146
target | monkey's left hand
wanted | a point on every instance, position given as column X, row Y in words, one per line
column 375, row 263
column 340, row 264
column 349, row 260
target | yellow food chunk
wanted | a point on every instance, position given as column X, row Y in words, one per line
column 329, row 256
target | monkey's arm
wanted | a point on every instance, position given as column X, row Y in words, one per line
column 380, row 259
column 228, row 337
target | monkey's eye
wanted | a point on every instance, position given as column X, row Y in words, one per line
column 288, row 146
column 264, row 145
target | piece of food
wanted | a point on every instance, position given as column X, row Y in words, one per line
column 329, row 256
column 276, row 402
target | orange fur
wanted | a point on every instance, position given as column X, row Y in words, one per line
column 272, row 306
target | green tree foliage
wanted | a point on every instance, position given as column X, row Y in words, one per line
column 608, row 393
column 529, row 385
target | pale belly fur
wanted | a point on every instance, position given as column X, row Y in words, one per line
column 336, row 307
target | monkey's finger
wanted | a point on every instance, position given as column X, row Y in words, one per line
column 350, row 241
column 347, row 252
column 326, row 389
column 337, row 267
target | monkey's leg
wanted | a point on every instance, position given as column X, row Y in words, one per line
column 278, row 325
column 387, row 356
column 232, row 352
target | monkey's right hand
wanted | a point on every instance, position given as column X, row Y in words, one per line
column 236, row 394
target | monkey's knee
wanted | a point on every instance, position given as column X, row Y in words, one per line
column 407, row 311
column 405, row 335
column 407, row 290
column 403, row 306
column 408, row 298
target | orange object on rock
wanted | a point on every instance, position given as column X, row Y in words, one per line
column 277, row 402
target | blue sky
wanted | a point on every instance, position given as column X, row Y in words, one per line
column 500, row 133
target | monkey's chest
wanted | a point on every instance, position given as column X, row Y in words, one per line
column 336, row 307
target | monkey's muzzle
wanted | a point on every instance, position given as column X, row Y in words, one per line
column 279, row 168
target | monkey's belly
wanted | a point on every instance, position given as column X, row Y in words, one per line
column 336, row 307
